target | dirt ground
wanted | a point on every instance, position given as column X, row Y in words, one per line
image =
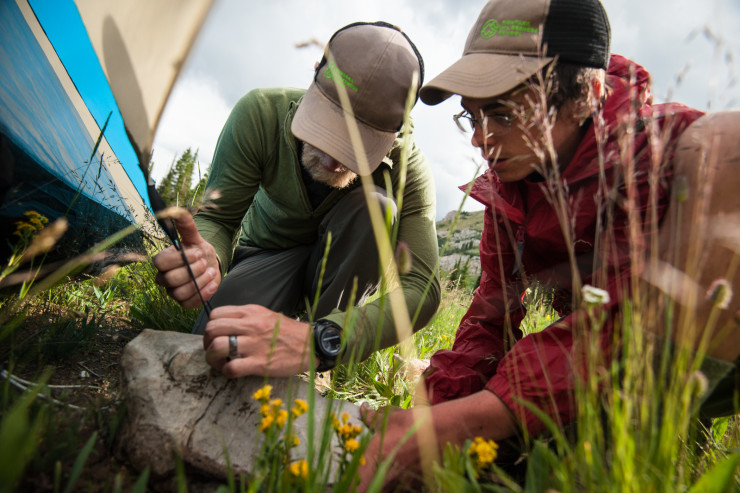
column 85, row 397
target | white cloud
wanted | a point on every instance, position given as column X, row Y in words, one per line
column 192, row 118
column 669, row 38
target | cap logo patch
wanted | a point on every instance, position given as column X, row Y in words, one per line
column 332, row 72
column 493, row 27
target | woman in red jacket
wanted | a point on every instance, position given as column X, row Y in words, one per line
column 580, row 171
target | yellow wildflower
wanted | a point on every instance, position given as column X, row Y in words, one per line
column 38, row 223
column 35, row 222
column 265, row 410
column 263, row 394
column 22, row 226
column 266, row 422
column 276, row 403
column 351, row 445
column 299, row 469
column 47, row 238
column 300, row 407
column 483, row 451
column 345, row 417
column 349, row 431
column 334, row 421
column 294, row 440
column 282, row 417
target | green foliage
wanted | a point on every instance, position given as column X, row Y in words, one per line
column 721, row 479
column 65, row 336
column 386, row 377
column 459, row 275
column 141, row 483
column 439, row 333
column 176, row 188
column 151, row 307
column 540, row 314
column 20, row 432
column 79, row 464
column 541, row 463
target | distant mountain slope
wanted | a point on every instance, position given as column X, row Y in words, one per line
column 463, row 243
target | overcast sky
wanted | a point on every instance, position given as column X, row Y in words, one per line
column 686, row 45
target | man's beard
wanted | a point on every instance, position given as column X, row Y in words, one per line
column 313, row 161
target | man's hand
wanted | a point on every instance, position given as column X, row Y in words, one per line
column 267, row 342
column 173, row 273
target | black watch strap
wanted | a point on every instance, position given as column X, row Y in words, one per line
column 327, row 341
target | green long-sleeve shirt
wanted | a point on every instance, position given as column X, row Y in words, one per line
column 262, row 198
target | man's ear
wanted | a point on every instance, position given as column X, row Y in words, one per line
column 586, row 107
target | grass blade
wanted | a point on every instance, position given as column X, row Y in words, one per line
column 79, row 464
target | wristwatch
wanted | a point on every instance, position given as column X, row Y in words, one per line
column 327, row 343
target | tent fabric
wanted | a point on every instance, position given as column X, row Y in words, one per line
column 142, row 45
column 60, row 88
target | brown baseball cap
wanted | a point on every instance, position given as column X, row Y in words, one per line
column 513, row 39
column 375, row 63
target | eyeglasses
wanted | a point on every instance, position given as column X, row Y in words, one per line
column 496, row 123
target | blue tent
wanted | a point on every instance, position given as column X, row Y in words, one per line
column 81, row 77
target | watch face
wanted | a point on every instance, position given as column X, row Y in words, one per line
column 330, row 340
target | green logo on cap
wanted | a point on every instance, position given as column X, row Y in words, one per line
column 332, row 71
column 492, row 28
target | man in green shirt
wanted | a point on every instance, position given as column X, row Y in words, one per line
column 285, row 181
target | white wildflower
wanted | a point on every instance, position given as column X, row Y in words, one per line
column 594, row 296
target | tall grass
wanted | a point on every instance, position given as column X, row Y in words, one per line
column 53, row 323
column 648, row 443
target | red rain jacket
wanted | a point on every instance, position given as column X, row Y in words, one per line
column 489, row 351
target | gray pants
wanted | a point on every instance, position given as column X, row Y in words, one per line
column 286, row 281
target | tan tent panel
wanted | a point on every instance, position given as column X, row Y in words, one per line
column 142, row 45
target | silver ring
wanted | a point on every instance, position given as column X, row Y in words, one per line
column 233, row 348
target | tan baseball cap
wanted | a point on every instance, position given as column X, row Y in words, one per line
column 513, row 39
column 375, row 63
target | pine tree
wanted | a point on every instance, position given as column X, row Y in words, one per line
column 175, row 188
column 165, row 185
column 184, row 176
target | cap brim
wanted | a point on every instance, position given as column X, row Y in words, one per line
column 481, row 76
column 321, row 123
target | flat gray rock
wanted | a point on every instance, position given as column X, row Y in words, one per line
column 177, row 404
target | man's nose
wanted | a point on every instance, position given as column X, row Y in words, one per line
column 334, row 165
